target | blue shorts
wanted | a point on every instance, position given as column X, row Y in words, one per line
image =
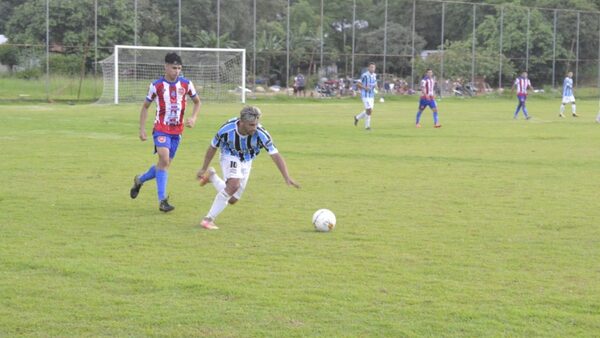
column 427, row 103
column 167, row 141
column 522, row 98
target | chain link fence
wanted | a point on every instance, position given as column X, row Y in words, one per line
column 477, row 48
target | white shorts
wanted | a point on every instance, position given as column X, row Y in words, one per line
column 568, row 99
column 234, row 168
column 369, row 102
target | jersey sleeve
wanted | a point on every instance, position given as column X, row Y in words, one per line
column 364, row 80
column 192, row 90
column 151, row 93
column 216, row 141
column 267, row 141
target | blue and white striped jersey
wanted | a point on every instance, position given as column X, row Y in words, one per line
column 568, row 86
column 246, row 147
column 369, row 82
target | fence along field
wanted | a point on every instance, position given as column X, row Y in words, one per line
column 460, row 41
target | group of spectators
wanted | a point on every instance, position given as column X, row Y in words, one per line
column 346, row 86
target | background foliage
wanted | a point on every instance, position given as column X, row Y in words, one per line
column 72, row 32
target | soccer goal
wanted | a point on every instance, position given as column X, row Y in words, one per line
column 217, row 73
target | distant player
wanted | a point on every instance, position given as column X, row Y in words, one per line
column 240, row 141
column 522, row 83
column 568, row 96
column 428, row 99
column 169, row 92
column 367, row 86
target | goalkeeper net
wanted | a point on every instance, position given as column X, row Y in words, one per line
column 217, row 73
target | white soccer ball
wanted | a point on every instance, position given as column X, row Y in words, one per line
column 324, row 220
column 381, row 100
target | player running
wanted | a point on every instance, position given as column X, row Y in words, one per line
column 428, row 99
column 367, row 86
column 522, row 83
column 568, row 96
column 240, row 140
column 169, row 92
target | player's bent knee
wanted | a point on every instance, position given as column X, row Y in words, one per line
column 233, row 200
column 232, row 187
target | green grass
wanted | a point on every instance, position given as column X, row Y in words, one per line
column 485, row 227
column 60, row 88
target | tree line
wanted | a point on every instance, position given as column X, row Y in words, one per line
column 72, row 32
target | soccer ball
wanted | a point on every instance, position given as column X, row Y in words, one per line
column 381, row 100
column 323, row 220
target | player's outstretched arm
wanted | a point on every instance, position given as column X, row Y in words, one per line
column 143, row 118
column 192, row 120
column 210, row 153
column 280, row 163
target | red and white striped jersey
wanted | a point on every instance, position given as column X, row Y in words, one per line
column 427, row 90
column 522, row 83
column 170, row 103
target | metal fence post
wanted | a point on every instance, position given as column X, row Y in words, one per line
column 322, row 42
column 219, row 23
column 47, row 50
column 501, row 46
column 473, row 46
column 287, row 45
column 254, row 48
column 527, row 38
column 353, row 34
column 554, row 51
column 385, row 24
column 577, row 52
column 442, row 43
column 412, row 59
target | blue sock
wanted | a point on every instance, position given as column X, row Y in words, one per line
column 435, row 117
column 525, row 111
column 161, row 183
column 419, row 116
column 148, row 175
column 518, row 108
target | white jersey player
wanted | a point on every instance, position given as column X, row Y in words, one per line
column 568, row 96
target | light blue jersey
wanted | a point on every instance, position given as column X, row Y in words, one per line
column 568, row 87
column 369, row 82
column 245, row 147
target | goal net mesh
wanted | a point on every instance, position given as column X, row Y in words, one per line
column 216, row 74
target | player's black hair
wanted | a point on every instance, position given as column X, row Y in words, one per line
column 371, row 63
column 173, row 58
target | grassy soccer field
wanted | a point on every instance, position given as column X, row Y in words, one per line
column 485, row 227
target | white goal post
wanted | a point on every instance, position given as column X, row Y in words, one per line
column 219, row 74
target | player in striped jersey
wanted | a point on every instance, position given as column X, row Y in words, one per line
column 428, row 99
column 169, row 92
column 522, row 83
column 240, row 141
column 568, row 96
column 367, row 86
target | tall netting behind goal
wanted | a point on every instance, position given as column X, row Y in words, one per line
column 218, row 74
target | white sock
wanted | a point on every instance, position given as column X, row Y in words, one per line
column 361, row 115
column 219, row 204
column 368, row 121
column 574, row 109
column 217, row 182
column 562, row 108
